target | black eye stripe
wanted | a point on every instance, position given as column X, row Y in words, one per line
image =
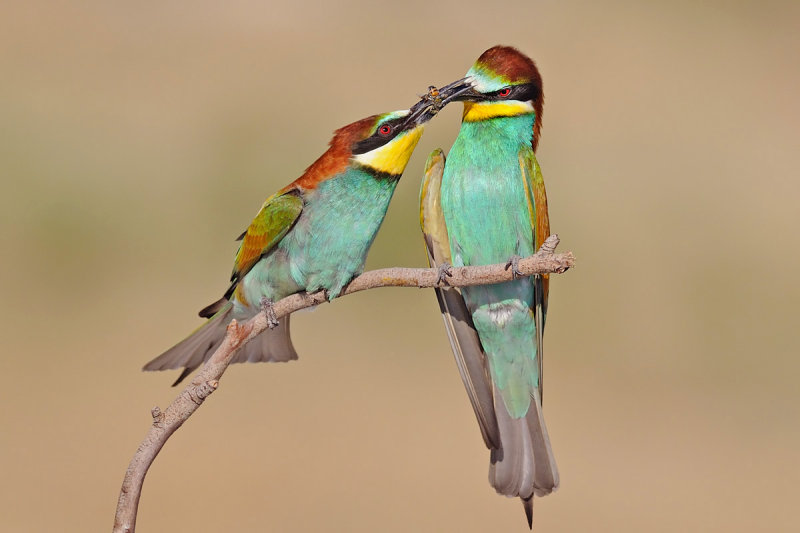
column 376, row 140
column 526, row 91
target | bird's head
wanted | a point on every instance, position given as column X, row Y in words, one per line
column 384, row 143
column 503, row 82
column 380, row 144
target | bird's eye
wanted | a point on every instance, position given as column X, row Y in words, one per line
column 503, row 93
column 385, row 129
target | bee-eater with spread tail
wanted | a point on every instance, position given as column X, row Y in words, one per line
column 311, row 235
column 486, row 204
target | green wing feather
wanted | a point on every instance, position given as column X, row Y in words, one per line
column 276, row 217
column 470, row 359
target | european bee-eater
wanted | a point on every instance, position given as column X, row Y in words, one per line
column 311, row 235
column 487, row 204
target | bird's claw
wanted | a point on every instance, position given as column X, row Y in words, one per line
column 268, row 308
column 444, row 271
column 513, row 264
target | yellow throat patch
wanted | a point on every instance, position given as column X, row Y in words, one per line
column 392, row 157
column 476, row 111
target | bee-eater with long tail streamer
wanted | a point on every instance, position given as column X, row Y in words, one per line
column 311, row 235
column 487, row 204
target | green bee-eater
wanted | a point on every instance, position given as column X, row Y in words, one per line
column 486, row 204
column 311, row 235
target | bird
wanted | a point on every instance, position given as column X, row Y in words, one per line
column 312, row 235
column 485, row 203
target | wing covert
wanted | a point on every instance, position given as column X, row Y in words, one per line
column 274, row 219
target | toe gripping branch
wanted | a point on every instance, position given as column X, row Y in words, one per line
column 268, row 308
column 513, row 264
column 445, row 270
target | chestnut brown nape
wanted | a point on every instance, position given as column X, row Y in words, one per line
column 510, row 63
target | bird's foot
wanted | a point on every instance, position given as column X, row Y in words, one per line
column 513, row 264
column 444, row 271
column 268, row 308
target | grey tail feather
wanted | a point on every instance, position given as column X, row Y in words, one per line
column 527, row 503
column 546, row 479
column 197, row 348
column 273, row 345
column 186, row 372
column 214, row 308
column 525, row 465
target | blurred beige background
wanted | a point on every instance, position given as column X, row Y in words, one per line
column 137, row 140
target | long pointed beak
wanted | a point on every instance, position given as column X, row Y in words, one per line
column 433, row 102
column 420, row 113
column 459, row 91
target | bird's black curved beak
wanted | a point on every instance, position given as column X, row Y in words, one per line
column 459, row 91
column 420, row 113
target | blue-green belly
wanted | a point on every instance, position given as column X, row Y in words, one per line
column 328, row 244
column 485, row 207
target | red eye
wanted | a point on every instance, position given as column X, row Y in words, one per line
column 385, row 129
column 502, row 93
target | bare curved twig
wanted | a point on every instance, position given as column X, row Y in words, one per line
column 206, row 381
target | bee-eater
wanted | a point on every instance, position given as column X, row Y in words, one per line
column 311, row 235
column 487, row 204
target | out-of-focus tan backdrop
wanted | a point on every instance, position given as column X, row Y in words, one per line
column 137, row 140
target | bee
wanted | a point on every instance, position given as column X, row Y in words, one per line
column 433, row 98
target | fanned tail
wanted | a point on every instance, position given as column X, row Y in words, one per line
column 197, row 348
column 272, row 346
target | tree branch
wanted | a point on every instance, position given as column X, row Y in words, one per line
column 206, row 381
